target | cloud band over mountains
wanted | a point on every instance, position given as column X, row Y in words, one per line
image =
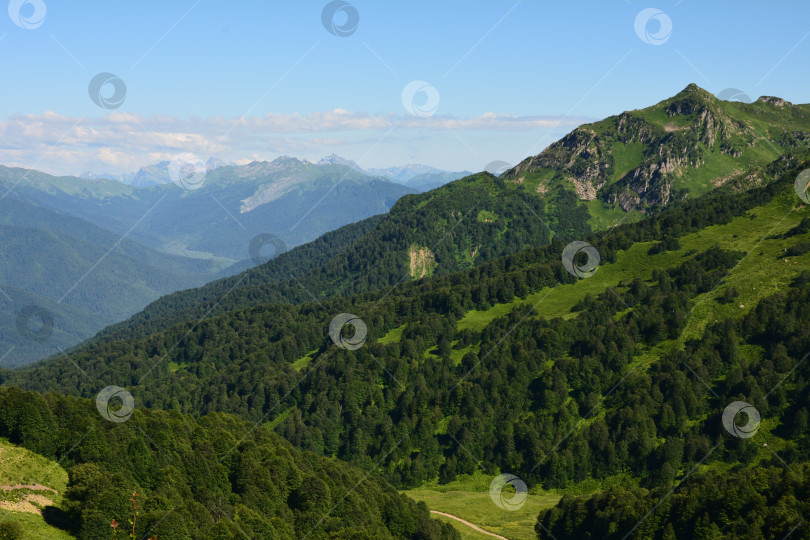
column 121, row 141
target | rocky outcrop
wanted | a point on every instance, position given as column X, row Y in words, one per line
column 776, row 101
column 698, row 124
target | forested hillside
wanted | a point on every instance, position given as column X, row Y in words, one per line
column 213, row 478
column 463, row 224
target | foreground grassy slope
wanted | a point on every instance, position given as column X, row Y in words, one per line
column 29, row 483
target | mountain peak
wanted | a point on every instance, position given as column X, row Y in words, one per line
column 334, row 159
column 694, row 91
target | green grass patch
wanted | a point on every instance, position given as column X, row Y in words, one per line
column 605, row 216
column 174, row 366
column 468, row 498
column 34, row 526
column 392, row 336
column 485, row 216
column 626, row 157
column 304, row 361
column 272, row 424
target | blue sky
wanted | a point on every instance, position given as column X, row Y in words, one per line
column 511, row 77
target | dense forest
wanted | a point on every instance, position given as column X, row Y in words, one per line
column 747, row 503
column 218, row 477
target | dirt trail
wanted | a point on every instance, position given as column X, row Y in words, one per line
column 35, row 487
column 468, row 524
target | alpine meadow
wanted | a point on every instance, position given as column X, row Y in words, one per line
column 366, row 270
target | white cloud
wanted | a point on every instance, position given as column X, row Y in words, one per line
column 120, row 141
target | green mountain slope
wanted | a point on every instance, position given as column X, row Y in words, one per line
column 715, row 141
column 85, row 276
column 214, row 478
column 646, row 304
column 30, row 484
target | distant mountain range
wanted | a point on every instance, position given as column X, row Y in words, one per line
column 419, row 177
column 93, row 251
column 150, row 175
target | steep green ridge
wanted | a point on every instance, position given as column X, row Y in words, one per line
column 214, row 478
column 683, row 146
column 444, row 220
column 637, row 161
